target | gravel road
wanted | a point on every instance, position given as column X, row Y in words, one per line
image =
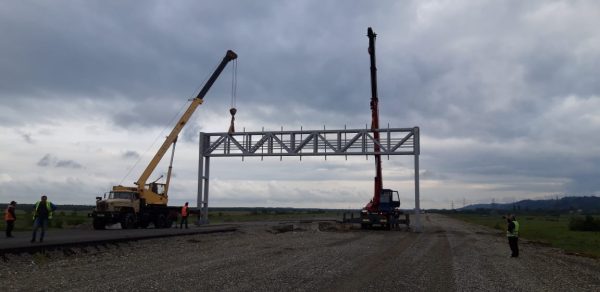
column 448, row 256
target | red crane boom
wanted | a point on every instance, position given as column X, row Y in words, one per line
column 374, row 204
column 384, row 208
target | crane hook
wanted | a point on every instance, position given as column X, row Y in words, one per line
column 232, row 111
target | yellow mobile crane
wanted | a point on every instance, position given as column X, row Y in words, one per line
column 146, row 203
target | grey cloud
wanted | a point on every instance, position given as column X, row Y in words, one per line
column 191, row 133
column 27, row 138
column 68, row 164
column 130, row 154
column 584, row 184
column 428, row 174
column 68, row 190
column 515, row 77
column 51, row 161
column 45, row 161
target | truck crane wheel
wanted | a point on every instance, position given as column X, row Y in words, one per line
column 99, row 224
column 128, row 221
column 144, row 219
column 144, row 223
column 160, row 221
column 169, row 222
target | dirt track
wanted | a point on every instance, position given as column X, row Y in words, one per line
column 448, row 256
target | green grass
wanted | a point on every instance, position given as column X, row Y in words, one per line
column 68, row 218
column 60, row 219
column 265, row 214
column 551, row 230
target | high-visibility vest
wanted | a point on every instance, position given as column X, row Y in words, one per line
column 184, row 211
column 515, row 232
column 8, row 216
column 48, row 207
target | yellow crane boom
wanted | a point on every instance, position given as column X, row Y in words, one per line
column 149, row 195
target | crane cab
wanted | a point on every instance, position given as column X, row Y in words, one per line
column 386, row 215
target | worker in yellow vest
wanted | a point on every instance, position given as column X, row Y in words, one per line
column 512, row 232
column 9, row 218
column 184, row 216
column 41, row 217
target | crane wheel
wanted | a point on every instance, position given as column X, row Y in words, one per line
column 128, row 221
column 160, row 221
column 99, row 224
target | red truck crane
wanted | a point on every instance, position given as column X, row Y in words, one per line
column 384, row 208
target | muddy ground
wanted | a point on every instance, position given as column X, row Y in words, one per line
column 448, row 256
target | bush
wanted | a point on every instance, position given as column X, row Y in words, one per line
column 584, row 224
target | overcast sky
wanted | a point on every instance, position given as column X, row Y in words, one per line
column 506, row 93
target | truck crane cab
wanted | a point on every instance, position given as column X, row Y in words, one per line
column 387, row 214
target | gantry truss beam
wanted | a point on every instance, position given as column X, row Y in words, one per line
column 392, row 141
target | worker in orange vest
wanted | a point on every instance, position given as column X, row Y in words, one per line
column 184, row 216
column 9, row 218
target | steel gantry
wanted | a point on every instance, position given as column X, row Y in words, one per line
column 392, row 141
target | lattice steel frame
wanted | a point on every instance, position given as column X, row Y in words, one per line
column 393, row 141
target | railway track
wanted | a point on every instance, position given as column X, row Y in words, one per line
column 74, row 238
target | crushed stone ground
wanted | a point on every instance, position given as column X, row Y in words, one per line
column 449, row 255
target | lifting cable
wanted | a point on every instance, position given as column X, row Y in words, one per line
column 179, row 113
column 233, row 110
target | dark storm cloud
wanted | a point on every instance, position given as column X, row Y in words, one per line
column 87, row 47
column 157, row 51
column 499, row 88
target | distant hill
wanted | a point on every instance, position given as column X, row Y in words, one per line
column 586, row 204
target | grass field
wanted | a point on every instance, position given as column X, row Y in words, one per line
column 550, row 230
column 69, row 218
column 61, row 219
column 266, row 214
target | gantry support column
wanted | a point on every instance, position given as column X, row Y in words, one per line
column 418, row 227
column 203, row 179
